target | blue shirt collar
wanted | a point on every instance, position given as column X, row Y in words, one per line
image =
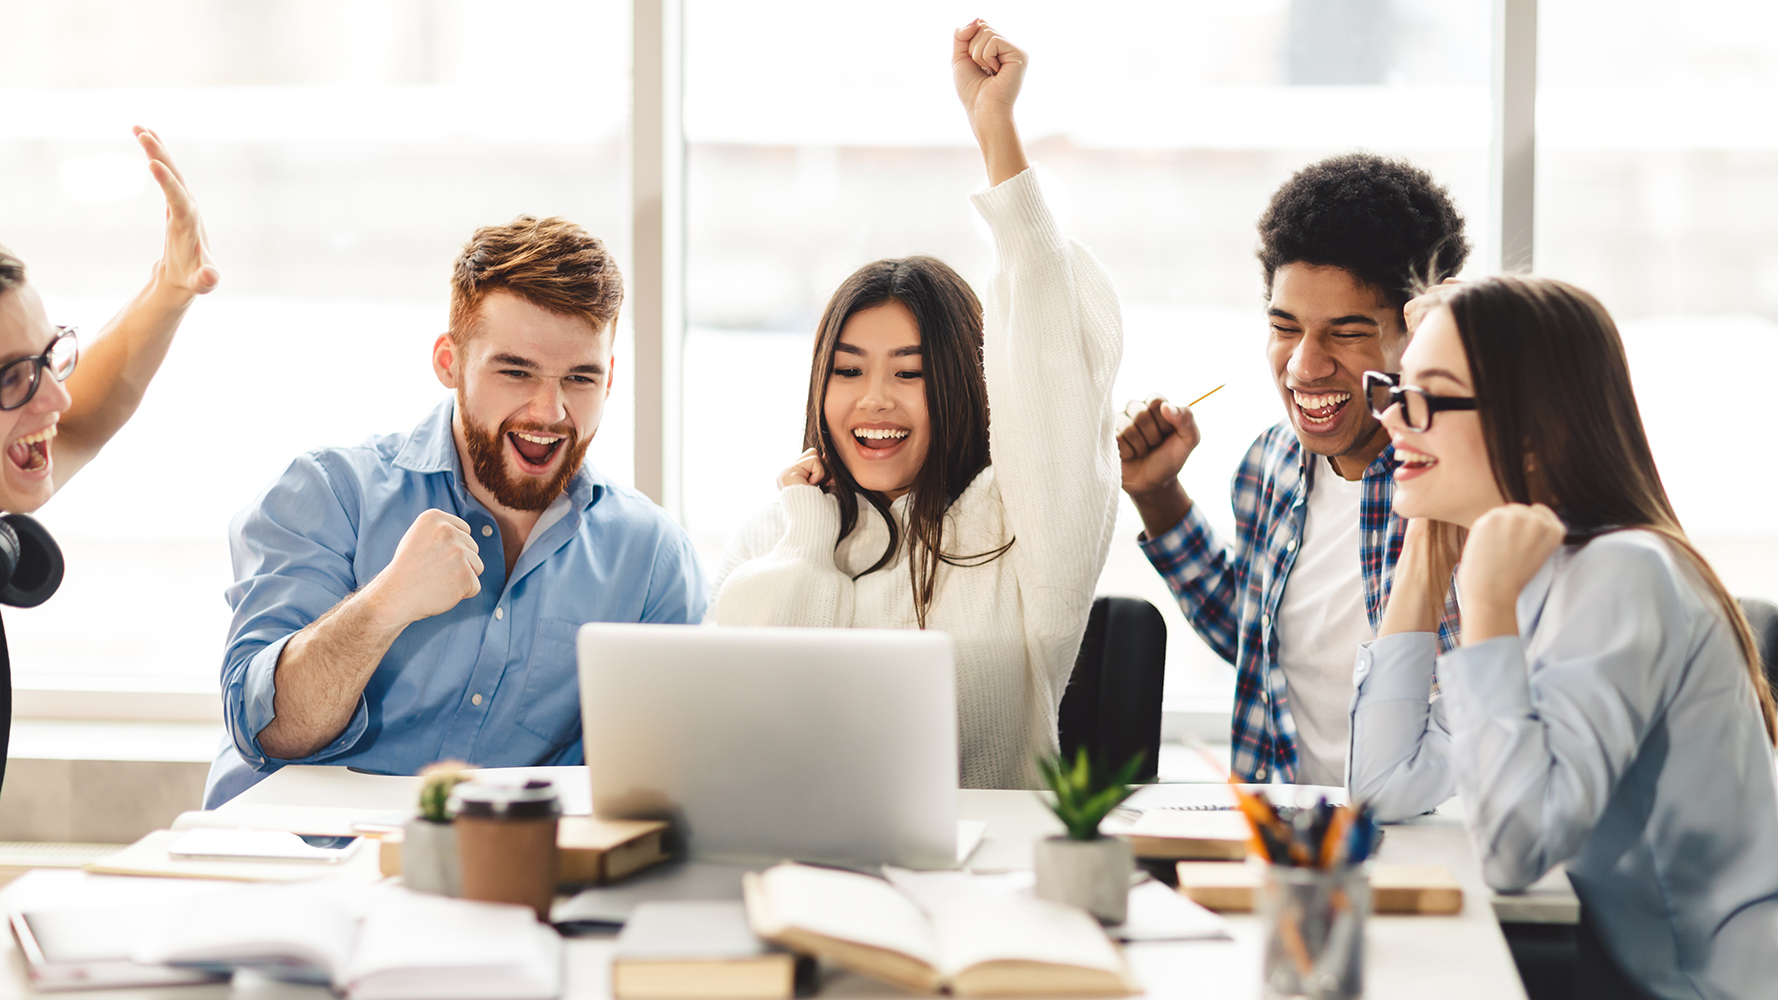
column 431, row 447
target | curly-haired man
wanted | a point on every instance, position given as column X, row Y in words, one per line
column 1342, row 245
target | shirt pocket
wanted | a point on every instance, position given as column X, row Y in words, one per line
column 550, row 707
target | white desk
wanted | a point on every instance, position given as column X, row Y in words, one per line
column 1454, row 958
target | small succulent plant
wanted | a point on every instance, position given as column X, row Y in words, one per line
column 436, row 782
column 1084, row 794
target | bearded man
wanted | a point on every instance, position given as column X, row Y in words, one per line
column 416, row 598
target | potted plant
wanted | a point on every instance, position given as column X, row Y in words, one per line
column 429, row 840
column 1083, row 867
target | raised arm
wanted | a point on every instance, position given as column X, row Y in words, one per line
column 116, row 367
column 1052, row 342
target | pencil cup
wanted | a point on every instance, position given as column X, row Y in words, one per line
column 1314, row 931
column 506, row 838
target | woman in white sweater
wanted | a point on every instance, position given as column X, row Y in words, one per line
column 908, row 510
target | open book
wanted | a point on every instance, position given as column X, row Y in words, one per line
column 367, row 942
column 975, row 945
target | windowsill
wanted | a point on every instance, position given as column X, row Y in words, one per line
column 66, row 739
column 103, row 698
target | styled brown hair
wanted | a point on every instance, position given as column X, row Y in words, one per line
column 949, row 317
column 1552, row 384
column 12, row 271
column 551, row 263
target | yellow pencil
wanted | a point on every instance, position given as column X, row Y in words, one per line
column 1205, row 396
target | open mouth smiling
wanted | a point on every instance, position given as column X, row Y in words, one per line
column 535, row 451
column 878, row 441
column 31, row 453
column 1320, row 411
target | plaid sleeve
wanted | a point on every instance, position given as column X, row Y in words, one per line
column 1199, row 571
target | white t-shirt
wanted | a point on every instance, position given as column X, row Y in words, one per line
column 1321, row 622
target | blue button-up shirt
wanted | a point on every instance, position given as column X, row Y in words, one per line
column 491, row 681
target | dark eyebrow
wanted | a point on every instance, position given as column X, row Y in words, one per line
column 512, row 361
column 1281, row 314
column 900, row 352
column 587, row 370
column 1349, row 320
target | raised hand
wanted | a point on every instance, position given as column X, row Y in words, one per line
column 988, row 71
column 436, row 565
column 185, row 262
column 807, row 470
column 1506, row 548
column 1154, row 438
column 987, row 68
column 1153, row 441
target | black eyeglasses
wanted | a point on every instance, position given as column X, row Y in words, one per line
column 19, row 379
column 1383, row 390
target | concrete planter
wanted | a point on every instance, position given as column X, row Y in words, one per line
column 429, row 858
column 1091, row 874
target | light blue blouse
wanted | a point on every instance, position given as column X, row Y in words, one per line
column 1617, row 733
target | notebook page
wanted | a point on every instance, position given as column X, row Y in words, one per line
column 985, row 927
column 850, row 907
column 416, row 946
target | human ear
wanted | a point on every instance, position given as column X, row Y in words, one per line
column 444, row 360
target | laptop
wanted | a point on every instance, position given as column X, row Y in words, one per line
column 835, row 746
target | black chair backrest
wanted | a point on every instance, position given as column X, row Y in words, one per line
column 1763, row 616
column 1112, row 705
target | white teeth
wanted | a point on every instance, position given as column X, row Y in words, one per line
column 878, row 433
column 534, row 438
column 42, row 435
column 1414, row 459
column 1318, row 402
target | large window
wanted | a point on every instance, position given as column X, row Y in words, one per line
column 1657, row 189
column 342, row 151
column 1160, row 129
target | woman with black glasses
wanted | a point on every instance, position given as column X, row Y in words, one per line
column 55, row 416
column 1606, row 709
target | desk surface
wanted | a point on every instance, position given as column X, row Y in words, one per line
column 1453, row 957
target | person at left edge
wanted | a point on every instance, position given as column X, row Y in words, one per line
column 416, row 597
column 49, row 430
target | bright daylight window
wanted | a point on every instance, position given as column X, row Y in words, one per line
column 1160, row 129
column 341, row 151
column 1657, row 189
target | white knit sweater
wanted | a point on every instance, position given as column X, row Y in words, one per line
column 1053, row 341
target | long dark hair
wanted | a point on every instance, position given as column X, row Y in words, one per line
column 1553, row 386
column 949, row 317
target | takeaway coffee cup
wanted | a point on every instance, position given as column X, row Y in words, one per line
column 506, row 840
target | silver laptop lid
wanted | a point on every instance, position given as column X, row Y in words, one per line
column 833, row 745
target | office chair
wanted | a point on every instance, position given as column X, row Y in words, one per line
column 1763, row 616
column 1112, row 705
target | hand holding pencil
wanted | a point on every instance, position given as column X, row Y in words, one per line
column 1154, row 438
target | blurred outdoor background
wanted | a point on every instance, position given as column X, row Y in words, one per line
column 342, row 150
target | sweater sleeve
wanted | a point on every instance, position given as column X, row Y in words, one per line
column 779, row 569
column 1053, row 341
column 1398, row 759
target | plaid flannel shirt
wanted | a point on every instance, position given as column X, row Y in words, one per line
column 1231, row 594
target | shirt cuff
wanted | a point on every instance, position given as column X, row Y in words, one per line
column 1396, row 667
column 1175, row 552
column 811, row 524
column 1487, row 679
column 258, row 694
column 1019, row 219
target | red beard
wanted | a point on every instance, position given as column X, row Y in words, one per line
column 487, row 453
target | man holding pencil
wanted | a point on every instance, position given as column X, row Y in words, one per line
column 1304, row 582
